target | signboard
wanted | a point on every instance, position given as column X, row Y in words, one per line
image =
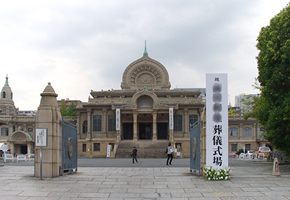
column 217, row 120
column 117, row 119
column 41, row 137
column 108, row 151
column 171, row 118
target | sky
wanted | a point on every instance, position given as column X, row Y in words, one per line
column 81, row 46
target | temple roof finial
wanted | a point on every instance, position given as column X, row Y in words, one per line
column 6, row 82
column 145, row 51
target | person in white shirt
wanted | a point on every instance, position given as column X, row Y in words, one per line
column 169, row 151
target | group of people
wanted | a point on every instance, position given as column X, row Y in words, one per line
column 169, row 151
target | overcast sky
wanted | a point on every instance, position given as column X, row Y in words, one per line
column 81, row 46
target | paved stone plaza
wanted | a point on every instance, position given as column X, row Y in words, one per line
column 17, row 182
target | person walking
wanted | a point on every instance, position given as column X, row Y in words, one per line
column 169, row 152
column 134, row 155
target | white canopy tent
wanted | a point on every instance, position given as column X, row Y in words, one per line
column 3, row 147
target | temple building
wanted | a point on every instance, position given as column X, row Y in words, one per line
column 17, row 131
column 144, row 100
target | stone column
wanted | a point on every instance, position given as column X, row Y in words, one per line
column 154, row 126
column 135, row 115
column 186, row 123
column 104, row 121
column 89, row 135
column 10, row 129
column 49, row 117
column 79, row 126
column 240, row 132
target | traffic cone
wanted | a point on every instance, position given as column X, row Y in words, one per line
column 276, row 171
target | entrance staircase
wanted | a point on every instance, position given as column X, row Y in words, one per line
column 145, row 148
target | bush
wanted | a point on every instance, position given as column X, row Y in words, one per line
column 212, row 174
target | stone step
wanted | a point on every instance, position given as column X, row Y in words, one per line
column 145, row 148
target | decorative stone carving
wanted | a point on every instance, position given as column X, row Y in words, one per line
column 19, row 137
column 145, row 71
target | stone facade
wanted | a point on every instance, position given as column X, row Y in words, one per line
column 144, row 101
column 16, row 131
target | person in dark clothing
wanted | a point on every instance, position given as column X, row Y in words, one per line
column 169, row 151
column 134, row 155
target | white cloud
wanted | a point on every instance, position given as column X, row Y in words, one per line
column 84, row 45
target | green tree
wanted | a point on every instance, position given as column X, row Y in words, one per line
column 272, row 108
column 67, row 110
column 232, row 112
column 63, row 108
column 70, row 109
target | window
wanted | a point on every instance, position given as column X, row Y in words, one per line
column 192, row 119
column 234, row 147
column 112, row 123
column 96, row 146
column 234, row 132
column 14, row 128
column 85, row 126
column 178, row 123
column 247, row 132
column 84, row 147
column 4, row 131
column 30, row 129
column 97, row 123
column 248, row 147
column 4, row 95
column 262, row 129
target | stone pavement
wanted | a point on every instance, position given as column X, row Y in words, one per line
column 17, row 182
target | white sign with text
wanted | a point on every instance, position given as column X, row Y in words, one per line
column 171, row 118
column 217, row 120
column 41, row 137
column 117, row 119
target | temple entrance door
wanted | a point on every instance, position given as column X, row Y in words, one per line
column 23, row 149
column 145, row 131
column 162, row 131
column 127, row 132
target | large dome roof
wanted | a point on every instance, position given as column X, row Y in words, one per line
column 145, row 72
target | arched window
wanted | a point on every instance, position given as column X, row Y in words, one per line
column 4, row 95
column 145, row 102
column 85, row 126
column 11, row 95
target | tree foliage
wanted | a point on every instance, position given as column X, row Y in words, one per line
column 272, row 108
column 232, row 112
column 63, row 109
column 67, row 111
column 70, row 109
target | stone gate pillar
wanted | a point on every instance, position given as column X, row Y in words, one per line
column 49, row 117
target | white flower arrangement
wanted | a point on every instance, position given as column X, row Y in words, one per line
column 216, row 174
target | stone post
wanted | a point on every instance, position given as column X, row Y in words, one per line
column 154, row 126
column 135, row 115
column 186, row 123
column 89, row 136
column 49, row 117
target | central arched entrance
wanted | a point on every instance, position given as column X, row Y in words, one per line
column 145, row 127
column 145, row 118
